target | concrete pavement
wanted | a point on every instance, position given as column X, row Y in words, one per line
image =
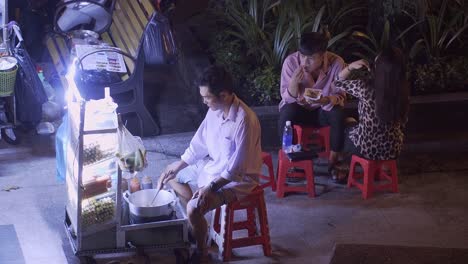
column 430, row 209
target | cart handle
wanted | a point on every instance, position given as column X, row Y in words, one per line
column 13, row 26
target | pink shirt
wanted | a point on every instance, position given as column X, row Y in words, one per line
column 332, row 65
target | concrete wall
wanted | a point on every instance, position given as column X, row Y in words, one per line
column 436, row 118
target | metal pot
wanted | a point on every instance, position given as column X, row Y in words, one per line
column 139, row 203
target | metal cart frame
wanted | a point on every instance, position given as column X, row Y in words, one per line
column 5, row 47
column 117, row 235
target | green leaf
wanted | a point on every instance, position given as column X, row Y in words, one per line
column 318, row 19
column 457, row 34
column 441, row 15
column 416, row 48
column 408, row 29
column 346, row 10
column 384, row 39
column 362, row 35
column 410, row 15
column 362, row 56
column 432, row 23
column 337, row 38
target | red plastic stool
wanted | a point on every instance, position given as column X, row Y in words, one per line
column 307, row 135
column 372, row 169
column 284, row 167
column 268, row 161
column 221, row 232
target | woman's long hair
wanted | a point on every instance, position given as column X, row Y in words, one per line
column 390, row 85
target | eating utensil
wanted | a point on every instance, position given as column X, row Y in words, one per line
column 158, row 188
column 156, row 195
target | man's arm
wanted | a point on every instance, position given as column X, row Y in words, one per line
column 197, row 149
column 337, row 96
column 290, row 77
column 247, row 141
column 205, row 192
column 170, row 172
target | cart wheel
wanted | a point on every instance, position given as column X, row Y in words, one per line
column 87, row 260
column 182, row 255
column 10, row 136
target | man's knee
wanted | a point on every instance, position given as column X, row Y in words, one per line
column 173, row 183
column 290, row 112
column 193, row 211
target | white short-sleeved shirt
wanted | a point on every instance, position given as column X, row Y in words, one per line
column 233, row 145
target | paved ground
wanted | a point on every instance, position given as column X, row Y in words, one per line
column 430, row 209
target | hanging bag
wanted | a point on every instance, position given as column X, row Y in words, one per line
column 132, row 152
column 159, row 44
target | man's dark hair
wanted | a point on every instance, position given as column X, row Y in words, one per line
column 217, row 79
column 312, row 43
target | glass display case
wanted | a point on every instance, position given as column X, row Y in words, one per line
column 92, row 175
column 97, row 219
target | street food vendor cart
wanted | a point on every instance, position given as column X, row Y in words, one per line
column 98, row 219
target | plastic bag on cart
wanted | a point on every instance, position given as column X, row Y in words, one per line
column 30, row 94
column 61, row 140
column 132, row 152
column 159, row 45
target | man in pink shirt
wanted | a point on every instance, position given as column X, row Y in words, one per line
column 313, row 67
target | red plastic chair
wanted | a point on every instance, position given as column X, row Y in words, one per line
column 268, row 161
column 223, row 225
column 308, row 135
column 284, row 167
column 373, row 169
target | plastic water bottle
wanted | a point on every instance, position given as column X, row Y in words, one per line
column 48, row 89
column 287, row 137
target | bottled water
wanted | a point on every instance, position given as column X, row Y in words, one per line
column 287, row 137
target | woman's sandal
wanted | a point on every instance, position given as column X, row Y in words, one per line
column 338, row 173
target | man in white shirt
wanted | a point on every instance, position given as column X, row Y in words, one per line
column 230, row 137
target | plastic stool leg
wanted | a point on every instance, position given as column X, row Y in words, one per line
column 368, row 182
column 394, row 171
column 352, row 167
column 251, row 226
column 271, row 172
column 264, row 229
column 282, row 171
column 310, row 179
column 227, row 227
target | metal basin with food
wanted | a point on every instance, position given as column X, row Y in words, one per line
column 141, row 209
